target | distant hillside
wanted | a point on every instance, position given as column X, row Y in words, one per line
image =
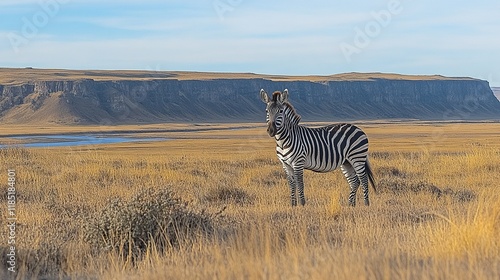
column 116, row 97
column 496, row 91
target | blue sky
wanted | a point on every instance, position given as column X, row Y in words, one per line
column 293, row 37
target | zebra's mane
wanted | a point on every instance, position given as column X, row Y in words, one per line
column 287, row 104
column 296, row 117
column 275, row 96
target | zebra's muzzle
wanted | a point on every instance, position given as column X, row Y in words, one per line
column 271, row 129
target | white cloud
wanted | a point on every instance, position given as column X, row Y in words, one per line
column 138, row 24
column 6, row 3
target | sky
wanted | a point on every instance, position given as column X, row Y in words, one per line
column 294, row 37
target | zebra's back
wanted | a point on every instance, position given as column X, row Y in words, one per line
column 328, row 147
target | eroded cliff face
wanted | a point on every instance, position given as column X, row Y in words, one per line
column 88, row 101
column 496, row 92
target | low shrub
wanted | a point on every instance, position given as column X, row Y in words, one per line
column 152, row 217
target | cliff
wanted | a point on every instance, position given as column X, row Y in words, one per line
column 496, row 91
column 115, row 97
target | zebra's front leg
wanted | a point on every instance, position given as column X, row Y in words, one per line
column 299, row 180
column 291, row 183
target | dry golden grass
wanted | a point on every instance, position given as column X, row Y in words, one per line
column 436, row 216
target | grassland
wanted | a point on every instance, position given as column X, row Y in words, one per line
column 14, row 76
column 436, row 215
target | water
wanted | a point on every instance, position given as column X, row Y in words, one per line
column 73, row 140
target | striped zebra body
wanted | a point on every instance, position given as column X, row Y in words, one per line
column 321, row 149
column 315, row 147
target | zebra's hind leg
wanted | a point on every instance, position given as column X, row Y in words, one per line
column 291, row 183
column 363, row 178
column 352, row 179
column 364, row 184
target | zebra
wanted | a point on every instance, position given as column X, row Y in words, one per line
column 320, row 149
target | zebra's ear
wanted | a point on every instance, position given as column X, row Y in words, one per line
column 263, row 96
column 284, row 96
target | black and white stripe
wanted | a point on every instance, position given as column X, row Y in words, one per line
column 320, row 149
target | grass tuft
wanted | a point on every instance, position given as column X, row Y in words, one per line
column 229, row 195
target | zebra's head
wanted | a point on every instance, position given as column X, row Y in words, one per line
column 275, row 110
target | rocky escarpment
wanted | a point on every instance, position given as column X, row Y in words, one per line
column 496, row 91
column 130, row 100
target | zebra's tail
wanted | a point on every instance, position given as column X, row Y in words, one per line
column 369, row 172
